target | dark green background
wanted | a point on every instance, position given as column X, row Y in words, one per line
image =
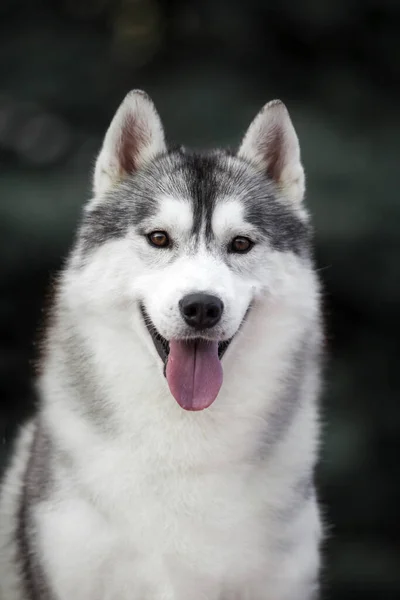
column 209, row 66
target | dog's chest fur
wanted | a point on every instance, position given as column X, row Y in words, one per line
column 152, row 502
column 171, row 526
column 171, row 500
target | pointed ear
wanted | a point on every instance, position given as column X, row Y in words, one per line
column 134, row 138
column 271, row 144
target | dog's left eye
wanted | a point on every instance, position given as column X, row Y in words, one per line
column 159, row 239
column 240, row 245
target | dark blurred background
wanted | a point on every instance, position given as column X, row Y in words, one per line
column 209, row 65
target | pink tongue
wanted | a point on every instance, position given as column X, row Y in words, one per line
column 194, row 373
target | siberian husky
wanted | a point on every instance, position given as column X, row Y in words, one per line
column 173, row 451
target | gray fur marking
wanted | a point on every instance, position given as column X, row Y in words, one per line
column 203, row 179
column 80, row 376
column 302, row 492
column 35, row 488
column 287, row 406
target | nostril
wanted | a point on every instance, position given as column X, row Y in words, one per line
column 213, row 312
column 191, row 310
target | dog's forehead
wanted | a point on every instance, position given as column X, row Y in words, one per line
column 225, row 194
column 212, row 195
column 174, row 211
column 208, row 190
column 229, row 214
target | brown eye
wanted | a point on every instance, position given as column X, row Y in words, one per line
column 159, row 239
column 240, row 245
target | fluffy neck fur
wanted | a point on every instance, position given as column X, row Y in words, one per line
column 95, row 367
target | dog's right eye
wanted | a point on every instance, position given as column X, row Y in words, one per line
column 159, row 239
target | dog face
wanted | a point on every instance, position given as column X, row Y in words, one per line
column 190, row 241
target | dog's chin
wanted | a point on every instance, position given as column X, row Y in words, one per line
column 161, row 344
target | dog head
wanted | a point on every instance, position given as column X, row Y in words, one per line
column 188, row 242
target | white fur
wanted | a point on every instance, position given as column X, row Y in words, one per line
column 170, row 498
column 228, row 220
column 155, row 503
column 174, row 213
column 176, row 492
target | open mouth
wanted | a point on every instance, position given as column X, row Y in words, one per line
column 162, row 345
column 192, row 367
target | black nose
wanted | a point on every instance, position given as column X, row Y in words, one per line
column 201, row 311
